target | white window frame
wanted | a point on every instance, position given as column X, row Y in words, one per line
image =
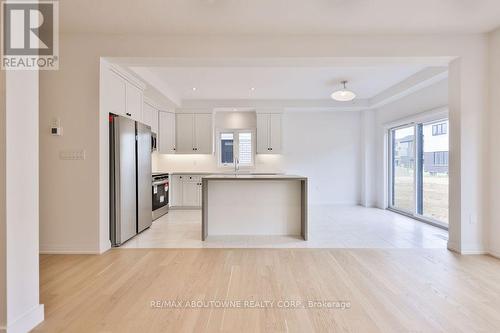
column 433, row 116
column 236, row 147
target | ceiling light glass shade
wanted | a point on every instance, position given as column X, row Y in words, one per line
column 343, row 95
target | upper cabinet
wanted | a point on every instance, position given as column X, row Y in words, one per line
column 166, row 132
column 194, row 132
column 113, row 92
column 268, row 133
column 133, row 105
column 121, row 94
column 184, row 124
column 150, row 116
column 154, row 122
column 203, row 133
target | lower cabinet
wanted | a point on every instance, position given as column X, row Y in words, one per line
column 175, row 191
column 185, row 191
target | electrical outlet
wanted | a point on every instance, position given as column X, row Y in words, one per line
column 72, row 155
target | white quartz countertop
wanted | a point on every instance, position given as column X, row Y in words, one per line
column 223, row 173
column 254, row 176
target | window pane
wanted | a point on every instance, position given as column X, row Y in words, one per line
column 403, row 169
column 226, row 148
column 245, row 148
column 435, row 172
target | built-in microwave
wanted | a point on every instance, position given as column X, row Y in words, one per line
column 154, row 142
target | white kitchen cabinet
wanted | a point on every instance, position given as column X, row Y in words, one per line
column 262, row 133
column 166, row 132
column 199, row 193
column 133, row 98
column 154, row 122
column 150, row 117
column 185, row 191
column 121, row 95
column 113, row 92
column 189, row 194
column 184, row 131
column 275, row 133
column 147, row 114
column 175, row 191
column 194, row 133
column 268, row 133
column 203, row 132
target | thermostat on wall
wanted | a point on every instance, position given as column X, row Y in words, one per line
column 56, row 131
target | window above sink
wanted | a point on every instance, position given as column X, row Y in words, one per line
column 236, row 146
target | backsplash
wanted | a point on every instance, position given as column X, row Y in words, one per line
column 208, row 163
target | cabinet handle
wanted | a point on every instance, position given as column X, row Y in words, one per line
column 270, row 148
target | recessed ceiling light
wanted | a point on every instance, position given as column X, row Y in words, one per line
column 343, row 95
column 252, row 89
column 194, row 88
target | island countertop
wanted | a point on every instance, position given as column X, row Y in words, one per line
column 253, row 177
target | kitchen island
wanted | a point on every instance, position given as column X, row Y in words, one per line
column 254, row 204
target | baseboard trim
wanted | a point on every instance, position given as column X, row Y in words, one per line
column 474, row 252
column 68, row 252
column 494, row 254
column 454, row 247
column 65, row 249
column 26, row 322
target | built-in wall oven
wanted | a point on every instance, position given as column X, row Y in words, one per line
column 160, row 194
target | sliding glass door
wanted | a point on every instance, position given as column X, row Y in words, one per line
column 434, row 180
column 418, row 167
column 403, row 168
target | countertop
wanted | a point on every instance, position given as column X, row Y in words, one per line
column 221, row 173
column 190, row 173
column 254, row 177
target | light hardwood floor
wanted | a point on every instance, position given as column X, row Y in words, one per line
column 389, row 290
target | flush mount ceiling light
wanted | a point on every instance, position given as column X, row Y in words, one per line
column 343, row 95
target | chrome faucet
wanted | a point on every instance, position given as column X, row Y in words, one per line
column 236, row 165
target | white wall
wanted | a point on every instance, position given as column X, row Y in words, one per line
column 3, row 215
column 20, row 307
column 235, row 120
column 72, row 93
column 493, row 152
column 368, row 159
column 326, row 147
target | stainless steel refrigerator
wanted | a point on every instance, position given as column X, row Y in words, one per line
column 130, row 178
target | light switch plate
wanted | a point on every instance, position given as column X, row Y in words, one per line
column 72, row 155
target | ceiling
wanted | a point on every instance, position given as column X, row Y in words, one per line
column 279, row 16
column 272, row 83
